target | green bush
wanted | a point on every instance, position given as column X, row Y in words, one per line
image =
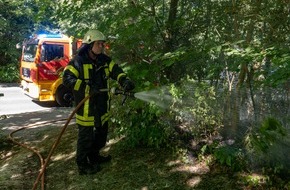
column 189, row 104
column 142, row 127
column 9, row 73
column 232, row 156
column 268, row 146
column 197, row 107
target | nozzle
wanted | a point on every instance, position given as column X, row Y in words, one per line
column 117, row 91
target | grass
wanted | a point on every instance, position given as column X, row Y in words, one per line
column 142, row 168
column 130, row 169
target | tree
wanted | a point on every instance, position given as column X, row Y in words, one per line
column 237, row 46
column 16, row 22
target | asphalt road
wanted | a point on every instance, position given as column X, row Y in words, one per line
column 14, row 101
column 18, row 110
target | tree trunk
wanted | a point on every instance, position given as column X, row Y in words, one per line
column 170, row 33
column 170, row 36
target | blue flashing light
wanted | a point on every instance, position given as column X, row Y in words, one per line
column 39, row 36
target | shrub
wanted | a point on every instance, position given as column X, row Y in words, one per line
column 9, row 73
column 268, row 146
column 196, row 107
column 142, row 127
column 231, row 156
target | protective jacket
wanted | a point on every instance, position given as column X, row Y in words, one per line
column 83, row 75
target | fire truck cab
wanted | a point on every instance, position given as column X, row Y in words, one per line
column 44, row 57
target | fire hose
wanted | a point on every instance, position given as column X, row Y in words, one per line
column 30, row 148
column 44, row 162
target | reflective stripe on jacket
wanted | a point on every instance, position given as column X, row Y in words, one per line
column 83, row 73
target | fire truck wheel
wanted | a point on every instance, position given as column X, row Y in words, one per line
column 63, row 96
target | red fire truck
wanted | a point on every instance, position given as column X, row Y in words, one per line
column 44, row 57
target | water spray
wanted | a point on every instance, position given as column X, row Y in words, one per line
column 160, row 97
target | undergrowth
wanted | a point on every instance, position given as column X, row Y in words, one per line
column 9, row 73
column 131, row 168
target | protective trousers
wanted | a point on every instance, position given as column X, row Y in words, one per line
column 90, row 141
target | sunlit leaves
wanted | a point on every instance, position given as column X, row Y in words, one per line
column 16, row 22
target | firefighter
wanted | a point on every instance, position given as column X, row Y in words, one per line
column 86, row 74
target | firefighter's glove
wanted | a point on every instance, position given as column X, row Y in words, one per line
column 94, row 91
column 93, row 88
column 128, row 85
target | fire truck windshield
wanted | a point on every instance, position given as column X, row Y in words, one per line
column 51, row 51
column 29, row 52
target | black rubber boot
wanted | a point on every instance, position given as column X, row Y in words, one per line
column 104, row 159
column 98, row 159
column 89, row 169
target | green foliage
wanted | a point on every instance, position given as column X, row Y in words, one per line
column 144, row 128
column 264, row 137
column 199, row 39
column 268, row 145
column 9, row 73
column 159, row 44
column 231, row 156
column 16, row 23
column 197, row 104
column 279, row 71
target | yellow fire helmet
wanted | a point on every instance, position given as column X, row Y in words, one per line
column 93, row 35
